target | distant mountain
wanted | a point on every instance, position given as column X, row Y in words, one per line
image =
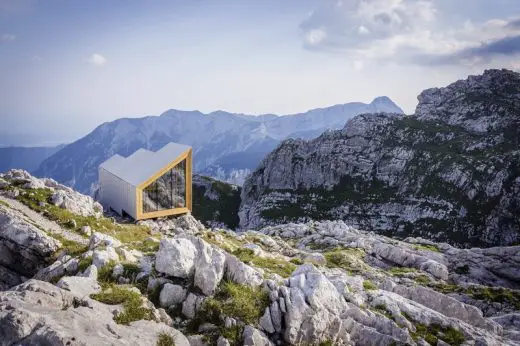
column 28, row 158
column 451, row 172
column 226, row 145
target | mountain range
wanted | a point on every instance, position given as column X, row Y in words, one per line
column 226, row 145
column 450, row 172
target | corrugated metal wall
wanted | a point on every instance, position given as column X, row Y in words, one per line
column 117, row 194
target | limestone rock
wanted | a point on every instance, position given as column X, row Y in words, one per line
column 66, row 321
column 172, row 295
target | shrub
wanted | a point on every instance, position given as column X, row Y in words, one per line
column 369, row 285
column 296, row 261
column 165, row 339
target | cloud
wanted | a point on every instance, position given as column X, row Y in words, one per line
column 97, row 59
column 7, row 38
column 347, row 24
column 407, row 31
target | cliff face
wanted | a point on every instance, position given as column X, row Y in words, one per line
column 450, row 172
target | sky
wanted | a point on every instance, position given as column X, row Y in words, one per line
column 66, row 66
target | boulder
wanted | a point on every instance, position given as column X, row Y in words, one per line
column 172, row 295
column 254, row 337
column 176, row 257
column 100, row 258
column 79, row 286
column 99, row 239
column 24, row 249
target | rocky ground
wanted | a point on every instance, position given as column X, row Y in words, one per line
column 76, row 277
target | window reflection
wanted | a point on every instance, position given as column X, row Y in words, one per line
column 168, row 191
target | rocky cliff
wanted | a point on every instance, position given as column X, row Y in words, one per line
column 173, row 281
column 451, row 172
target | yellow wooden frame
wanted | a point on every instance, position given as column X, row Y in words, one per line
column 187, row 155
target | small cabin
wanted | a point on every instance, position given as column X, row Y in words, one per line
column 148, row 184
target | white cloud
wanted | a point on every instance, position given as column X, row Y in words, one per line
column 97, row 59
column 7, row 38
column 406, row 31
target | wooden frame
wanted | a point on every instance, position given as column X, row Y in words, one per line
column 187, row 155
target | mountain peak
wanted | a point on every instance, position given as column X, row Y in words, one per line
column 461, row 103
column 385, row 104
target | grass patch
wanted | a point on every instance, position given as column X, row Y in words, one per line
column 369, row 285
column 296, row 261
column 165, row 339
column 70, row 247
column 381, row 309
column 5, row 204
column 434, row 332
column 38, row 200
column 484, row 293
column 423, row 280
column 84, row 263
column 272, row 265
column 133, row 309
column 233, row 300
column 241, row 302
column 400, row 271
column 347, row 259
column 423, row 247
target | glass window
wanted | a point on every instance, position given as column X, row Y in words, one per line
column 168, row 191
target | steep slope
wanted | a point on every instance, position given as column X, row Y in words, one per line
column 28, row 158
column 217, row 138
column 451, row 172
column 174, row 282
column 215, row 202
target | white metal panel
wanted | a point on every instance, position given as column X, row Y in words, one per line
column 143, row 164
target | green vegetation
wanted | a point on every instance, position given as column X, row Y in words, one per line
column 38, row 200
column 4, row 204
column 347, row 259
column 272, row 265
column 462, row 269
column 401, row 271
column 133, row 309
column 68, row 246
column 165, row 339
column 434, row 332
column 351, row 189
column 296, row 261
column 224, row 209
column 369, row 285
column 84, row 263
column 233, row 300
column 484, row 293
column 381, row 309
column 433, row 248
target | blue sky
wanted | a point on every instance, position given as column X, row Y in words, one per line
column 66, row 66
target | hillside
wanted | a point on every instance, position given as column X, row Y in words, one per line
column 71, row 276
column 451, row 172
column 226, row 145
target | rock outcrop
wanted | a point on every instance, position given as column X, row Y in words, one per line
column 24, row 249
column 448, row 173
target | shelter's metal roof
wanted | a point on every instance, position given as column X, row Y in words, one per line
column 142, row 164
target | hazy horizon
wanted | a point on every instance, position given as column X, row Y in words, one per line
column 69, row 66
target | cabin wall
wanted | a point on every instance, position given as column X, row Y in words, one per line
column 117, row 194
